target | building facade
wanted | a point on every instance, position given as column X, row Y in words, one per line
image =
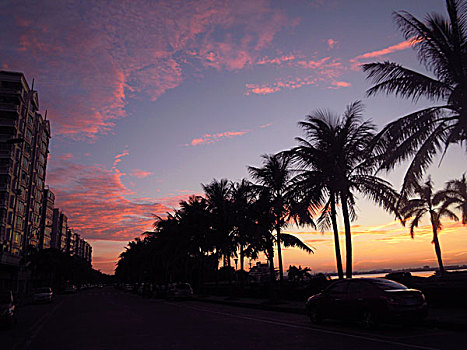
column 47, row 219
column 59, row 230
column 24, row 143
column 28, row 219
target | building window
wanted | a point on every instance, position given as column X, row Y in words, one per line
column 19, row 223
column 20, row 208
column 17, row 238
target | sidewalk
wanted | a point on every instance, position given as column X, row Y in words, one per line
column 445, row 318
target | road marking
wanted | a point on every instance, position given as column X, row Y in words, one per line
column 35, row 328
column 319, row 330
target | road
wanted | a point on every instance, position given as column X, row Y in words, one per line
column 111, row 319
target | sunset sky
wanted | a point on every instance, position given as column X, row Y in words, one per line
column 150, row 99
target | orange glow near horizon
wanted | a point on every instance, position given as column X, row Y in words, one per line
column 374, row 247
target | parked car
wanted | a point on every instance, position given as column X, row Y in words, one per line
column 179, row 291
column 368, row 300
column 70, row 289
column 7, row 308
column 128, row 287
column 43, row 294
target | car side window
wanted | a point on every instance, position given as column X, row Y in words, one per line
column 338, row 289
column 357, row 289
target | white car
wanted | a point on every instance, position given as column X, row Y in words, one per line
column 180, row 291
column 71, row 289
column 44, row 294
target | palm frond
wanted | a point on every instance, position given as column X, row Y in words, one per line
column 391, row 77
column 289, row 240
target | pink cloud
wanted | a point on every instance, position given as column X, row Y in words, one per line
column 324, row 71
column 88, row 61
column 393, row 48
column 340, row 84
column 331, row 43
column 212, row 138
column 65, row 156
column 265, row 125
column 404, row 45
column 140, row 174
column 100, row 206
column 277, row 60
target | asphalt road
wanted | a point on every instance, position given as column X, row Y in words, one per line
column 111, row 319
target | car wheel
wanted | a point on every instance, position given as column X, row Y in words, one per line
column 370, row 319
column 315, row 315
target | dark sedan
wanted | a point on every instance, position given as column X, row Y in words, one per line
column 7, row 308
column 368, row 300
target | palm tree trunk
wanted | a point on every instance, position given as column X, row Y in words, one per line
column 348, row 236
column 242, row 258
column 272, row 291
column 270, row 257
column 437, row 247
column 337, row 248
column 279, row 254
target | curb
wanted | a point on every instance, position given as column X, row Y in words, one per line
column 255, row 306
column 431, row 323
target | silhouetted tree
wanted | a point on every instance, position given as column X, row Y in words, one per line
column 336, row 157
column 432, row 204
column 441, row 44
column 243, row 197
column 274, row 183
column 218, row 196
column 456, row 193
column 316, row 182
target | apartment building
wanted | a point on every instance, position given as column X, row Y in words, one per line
column 87, row 253
column 47, row 219
column 59, row 230
column 70, row 241
column 24, row 143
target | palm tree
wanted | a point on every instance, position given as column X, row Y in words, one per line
column 243, row 197
column 274, row 182
column 456, row 191
column 441, row 44
column 315, row 183
column 432, row 204
column 335, row 156
column 218, row 196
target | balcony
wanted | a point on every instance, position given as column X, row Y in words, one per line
column 10, row 90
column 6, row 170
column 9, row 107
column 8, row 122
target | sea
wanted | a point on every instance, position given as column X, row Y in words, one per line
column 425, row 273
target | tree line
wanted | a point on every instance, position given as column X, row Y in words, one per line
column 336, row 158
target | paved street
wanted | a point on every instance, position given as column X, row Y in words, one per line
column 110, row 319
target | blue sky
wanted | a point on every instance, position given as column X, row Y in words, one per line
column 150, row 99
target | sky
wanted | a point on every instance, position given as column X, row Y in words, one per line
column 150, row 99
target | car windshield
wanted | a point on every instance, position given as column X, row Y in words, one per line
column 183, row 286
column 387, row 284
column 43, row 290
